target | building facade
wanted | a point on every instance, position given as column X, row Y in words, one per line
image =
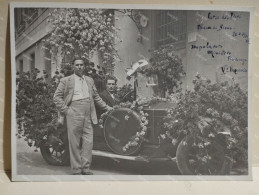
column 202, row 49
column 213, row 43
column 31, row 27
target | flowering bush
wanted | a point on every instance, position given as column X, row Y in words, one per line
column 81, row 32
column 168, row 66
column 36, row 113
column 210, row 110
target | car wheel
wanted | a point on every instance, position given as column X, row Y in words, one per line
column 210, row 160
column 55, row 154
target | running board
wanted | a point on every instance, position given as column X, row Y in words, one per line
column 134, row 158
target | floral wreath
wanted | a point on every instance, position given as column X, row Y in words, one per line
column 137, row 106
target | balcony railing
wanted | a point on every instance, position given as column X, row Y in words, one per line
column 20, row 30
column 30, row 18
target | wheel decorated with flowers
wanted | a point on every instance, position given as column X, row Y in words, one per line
column 196, row 156
column 124, row 131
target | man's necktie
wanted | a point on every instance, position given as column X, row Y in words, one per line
column 84, row 87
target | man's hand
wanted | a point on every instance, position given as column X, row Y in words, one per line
column 109, row 108
column 61, row 119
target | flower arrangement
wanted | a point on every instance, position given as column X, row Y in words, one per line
column 167, row 65
column 207, row 111
column 81, row 32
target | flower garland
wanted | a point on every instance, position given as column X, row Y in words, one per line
column 167, row 65
column 137, row 106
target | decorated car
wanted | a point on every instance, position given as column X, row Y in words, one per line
column 203, row 130
column 136, row 133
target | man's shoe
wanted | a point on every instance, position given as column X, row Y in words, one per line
column 87, row 173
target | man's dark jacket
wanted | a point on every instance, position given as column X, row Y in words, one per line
column 107, row 98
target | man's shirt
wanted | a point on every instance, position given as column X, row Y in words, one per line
column 81, row 88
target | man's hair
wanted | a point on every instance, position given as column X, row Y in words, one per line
column 77, row 58
column 110, row 77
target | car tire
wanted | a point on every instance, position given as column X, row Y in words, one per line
column 189, row 163
column 54, row 157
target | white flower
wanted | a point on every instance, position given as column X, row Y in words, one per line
column 126, row 117
column 211, row 135
column 163, row 136
column 142, row 133
column 143, row 118
column 174, row 141
column 101, row 42
column 200, row 145
column 144, row 129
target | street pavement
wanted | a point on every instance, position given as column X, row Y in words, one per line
column 30, row 162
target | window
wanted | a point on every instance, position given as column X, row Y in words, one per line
column 47, row 62
column 23, row 18
column 30, row 14
column 21, row 66
column 19, row 22
column 32, row 62
column 170, row 27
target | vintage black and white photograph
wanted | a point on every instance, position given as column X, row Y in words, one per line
column 104, row 92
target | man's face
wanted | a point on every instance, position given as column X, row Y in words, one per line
column 79, row 67
column 110, row 85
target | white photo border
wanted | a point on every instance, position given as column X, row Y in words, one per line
column 58, row 178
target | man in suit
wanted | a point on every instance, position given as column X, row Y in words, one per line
column 108, row 95
column 75, row 98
